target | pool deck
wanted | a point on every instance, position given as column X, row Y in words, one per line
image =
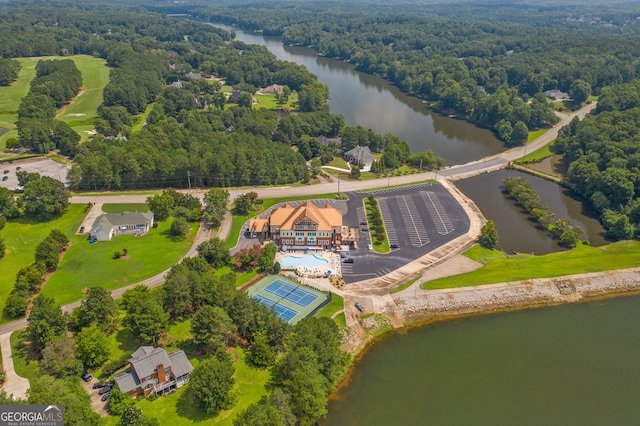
column 333, row 264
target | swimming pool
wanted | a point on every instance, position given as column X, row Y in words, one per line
column 308, row 260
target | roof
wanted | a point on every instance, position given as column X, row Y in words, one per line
column 180, row 365
column 258, row 224
column 107, row 221
column 127, row 381
column 146, row 365
column 360, row 154
column 325, row 217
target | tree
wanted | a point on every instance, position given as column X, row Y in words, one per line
column 179, row 227
column 7, row 203
column 259, row 414
column 16, row 306
column 211, row 383
column 260, row 353
column 92, row 346
column 97, row 307
column 211, row 327
column 580, row 91
column 132, row 416
column 44, row 199
column 488, row 235
column 307, row 388
column 519, row 135
column 119, row 401
column 267, row 257
column 161, row 205
column 245, row 100
column 67, row 392
column 355, row 172
column 59, row 360
column 243, row 205
column 216, row 201
column 214, row 252
column 145, row 316
column 46, row 322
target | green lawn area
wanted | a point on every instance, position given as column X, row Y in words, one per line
column 11, row 96
column 24, row 360
column 21, row 236
column 179, row 408
column 536, row 156
column 337, row 162
column 139, row 120
column 501, row 268
column 378, row 246
column 241, row 277
column 405, row 285
column 125, row 207
column 271, row 102
column 536, row 134
column 336, row 304
column 87, row 265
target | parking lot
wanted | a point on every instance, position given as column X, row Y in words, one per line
column 43, row 166
column 418, row 219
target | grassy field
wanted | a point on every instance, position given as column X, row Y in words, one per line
column 336, row 304
column 24, row 360
column 125, row 207
column 86, row 265
column 536, row 156
column 11, row 96
column 499, row 267
column 21, row 236
column 271, row 102
column 405, row 285
column 180, row 409
column 536, row 134
column 140, row 119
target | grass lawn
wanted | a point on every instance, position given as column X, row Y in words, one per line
column 79, row 114
column 24, row 360
column 239, row 221
column 140, row 119
column 536, row 156
column 337, row 162
column 271, row 102
column 336, row 304
column 378, row 246
column 87, row 265
column 405, row 285
column 501, row 268
column 125, row 207
column 341, row 320
column 536, row 134
column 431, row 181
column 21, row 236
column 108, row 193
column 241, row 277
column 180, row 409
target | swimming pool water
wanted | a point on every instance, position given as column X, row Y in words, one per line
column 308, row 260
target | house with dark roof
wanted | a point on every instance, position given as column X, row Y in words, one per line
column 360, row 155
column 556, row 94
column 300, row 228
column 152, row 370
column 106, row 226
column 326, row 141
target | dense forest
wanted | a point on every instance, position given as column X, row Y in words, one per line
column 484, row 61
column 603, row 153
column 9, row 69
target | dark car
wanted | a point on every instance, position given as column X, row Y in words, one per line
column 348, row 260
column 106, row 396
column 365, row 230
column 5, row 172
column 100, row 385
column 5, row 178
column 18, row 168
column 395, row 246
column 359, row 307
column 363, row 223
column 81, row 229
column 104, row 390
column 86, row 376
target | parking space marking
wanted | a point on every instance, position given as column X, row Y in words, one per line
column 383, row 272
column 438, row 213
column 388, row 223
column 417, row 232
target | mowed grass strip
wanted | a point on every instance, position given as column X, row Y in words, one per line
column 21, row 236
column 583, row 259
column 125, row 207
column 88, row 265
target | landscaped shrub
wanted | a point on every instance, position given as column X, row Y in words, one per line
column 3, row 222
column 117, row 255
column 116, row 364
column 16, row 306
column 2, row 248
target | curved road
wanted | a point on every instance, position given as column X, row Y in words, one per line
column 455, row 172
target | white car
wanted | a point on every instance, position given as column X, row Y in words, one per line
column 370, row 247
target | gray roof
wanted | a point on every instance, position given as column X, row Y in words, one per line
column 145, row 365
column 180, row 365
column 360, row 154
column 107, row 221
column 127, row 381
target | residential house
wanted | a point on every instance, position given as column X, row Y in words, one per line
column 360, row 155
column 106, row 226
column 234, row 96
column 274, row 89
column 556, row 94
column 325, row 141
column 306, row 227
column 152, row 370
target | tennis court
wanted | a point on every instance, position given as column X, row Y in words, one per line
column 291, row 293
column 283, row 312
column 291, row 301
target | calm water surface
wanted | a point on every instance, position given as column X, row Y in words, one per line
column 518, row 232
column 568, row 365
column 371, row 102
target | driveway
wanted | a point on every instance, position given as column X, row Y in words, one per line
column 14, row 384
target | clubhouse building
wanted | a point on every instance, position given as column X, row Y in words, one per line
column 306, row 227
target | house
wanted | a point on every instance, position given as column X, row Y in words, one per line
column 274, row 89
column 151, row 370
column 300, row 228
column 234, row 96
column 325, row 141
column 106, row 226
column 556, row 94
column 360, row 155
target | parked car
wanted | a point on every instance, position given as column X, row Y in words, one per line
column 86, row 376
column 395, row 246
column 359, row 307
column 363, row 223
column 5, row 178
column 369, row 247
column 100, row 385
column 348, row 260
column 81, row 229
column 365, row 230
column 106, row 396
column 104, row 390
column 18, row 168
column 5, row 172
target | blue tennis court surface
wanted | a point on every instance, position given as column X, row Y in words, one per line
column 283, row 312
column 291, row 293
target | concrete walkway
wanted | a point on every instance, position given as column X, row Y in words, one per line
column 14, row 384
